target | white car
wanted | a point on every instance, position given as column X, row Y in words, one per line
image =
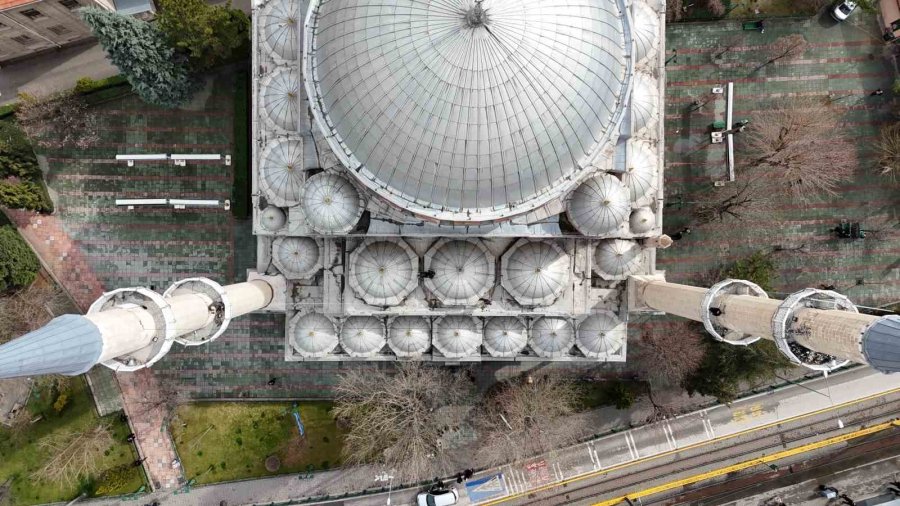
column 445, row 497
column 841, row 10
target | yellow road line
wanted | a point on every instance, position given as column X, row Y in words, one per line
column 598, row 472
column 749, row 463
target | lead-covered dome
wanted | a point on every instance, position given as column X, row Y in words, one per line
column 383, row 272
column 463, row 271
column 281, row 172
column 616, row 259
column 457, row 336
column 362, row 336
column 505, row 336
column 601, row 335
column 466, row 115
column 552, row 337
column 313, row 334
column 296, row 257
column 280, row 94
column 280, row 21
column 640, row 173
column 409, row 336
column 331, row 204
column 535, row 272
column 599, row 206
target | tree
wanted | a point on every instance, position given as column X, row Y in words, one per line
column 674, row 10
column 57, row 120
column 784, row 48
column 757, row 268
column 716, row 8
column 142, row 54
column 207, row 34
column 30, row 308
column 670, row 352
column 73, row 455
column 736, row 200
column 727, row 368
column 400, row 418
column 797, row 149
column 888, row 148
column 17, row 159
column 19, row 194
column 523, row 417
column 18, row 264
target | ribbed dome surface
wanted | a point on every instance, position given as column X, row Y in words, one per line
column 272, row 218
column 535, row 272
column 313, row 335
column 463, row 271
column 362, row 336
column 616, row 259
column 645, row 103
column 457, row 336
column 642, row 220
column 383, row 272
column 409, row 336
column 645, row 30
column 552, row 337
column 281, row 172
column 281, row 98
column 601, row 335
column 280, row 22
column 640, row 174
column 505, row 336
column 296, row 257
column 331, row 204
column 465, row 117
column 599, row 206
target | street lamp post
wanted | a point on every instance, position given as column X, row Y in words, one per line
column 390, row 479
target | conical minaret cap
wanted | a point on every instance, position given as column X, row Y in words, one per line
column 69, row 345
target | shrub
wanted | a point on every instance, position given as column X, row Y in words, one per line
column 18, row 264
column 758, row 268
column 113, row 479
column 25, row 195
column 61, row 401
column 621, row 396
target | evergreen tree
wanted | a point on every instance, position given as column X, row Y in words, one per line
column 206, row 34
column 18, row 264
column 141, row 53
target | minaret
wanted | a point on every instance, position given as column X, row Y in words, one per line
column 818, row 329
column 132, row 328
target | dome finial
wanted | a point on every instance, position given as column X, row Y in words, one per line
column 476, row 16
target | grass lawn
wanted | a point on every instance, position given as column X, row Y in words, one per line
column 21, row 454
column 222, row 441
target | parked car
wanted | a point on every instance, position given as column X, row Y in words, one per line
column 438, row 497
column 841, row 10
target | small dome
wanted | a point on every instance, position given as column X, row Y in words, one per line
column 616, row 259
column 296, row 257
column 599, row 206
column 463, row 271
column 409, row 336
column 645, row 30
column 535, row 272
column 601, row 335
column 505, row 336
column 457, row 336
column 640, row 174
column 645, row 103
column 281, row 98
column 642, row 220
column 362, row 336
column 383, row 272
column 331, row 204
column 280, row 22
column 313, row 335
column 272, row 218
column 552, row 337
column 281, row 172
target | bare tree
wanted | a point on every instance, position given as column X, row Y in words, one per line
column 674, row 10
column 30, row 308
column 716, row 8
column 522, row 418
column 888, row 148
column 58, row 120
column 735, row 201
column 798, row 148
column 73, row 454
column 788, row 47
column 668, row 353
column 726, row 44
column 401, row 419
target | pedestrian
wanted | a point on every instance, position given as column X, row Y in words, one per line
column 138, row 462
column 459, row 477
column 877, row 93
column 468, row 473
column 130, row 438
column 123, row 418
column 846, row 500
column 272, row 381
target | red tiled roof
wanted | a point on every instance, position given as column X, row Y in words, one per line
column 9, row 4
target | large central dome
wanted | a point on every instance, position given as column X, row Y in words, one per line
column 461, row 111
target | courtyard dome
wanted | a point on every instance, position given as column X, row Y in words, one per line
column 458, row 111
column 645, row 103
column 646, row 31
column 457, row 336
column 383, row 271
column 280, row 22
column 409, row 336
column 463, row 271
column 281, row 172
column 640, row 174
column 535, row 272
column 599, row 206
column 331, row 204
column 642, row 220
column 362, row 336
column 616, row 259
column 280, row 94
column 296, row 257
column 552, row 337
column 272, row 218
column 601, row 335
column 313, row 334
column 505, row 336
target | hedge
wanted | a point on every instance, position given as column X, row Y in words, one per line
column 18, row 264
column 240, row 195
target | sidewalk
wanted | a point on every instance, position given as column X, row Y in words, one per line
column 55, row 71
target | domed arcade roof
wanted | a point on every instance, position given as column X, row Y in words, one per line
column 409, row 336
column 313, row 334
column 463, row 270
column 616, row 259
column 599, row 206
column 383, row 272
column 280, row 94
column 457, row 336
column 505, row 336
column 272, row 218
column 640, row 174
column 642, row 220
column 601, row 335
column 645, row 103
column 462, row 115
column 646, row 30
column 332, row 205
column 296, row 257
column 280, row 22
column 552, row 336
column 281, row 172
column 535, row 272
column 362, row 336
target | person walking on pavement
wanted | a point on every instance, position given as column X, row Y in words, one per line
column 877, row 93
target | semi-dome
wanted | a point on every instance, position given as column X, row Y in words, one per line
column 601, row 335
column 505, row 336
column 551, row 336
column 362, row 336
column 535, row 272
column 313, row 334
column 645, row 104
column 616, row 259
column 463, row 271
column 296, row 257
column 280, row 94
column 409, row 336
column 280, row 22
column 642, row 220
column 383, row 271
column 272, row 218
column 457, row 336
column 331, row 204
column 470, row 112
column 645, row 24
column 640, row 174
column 281, row 172
column 599, row 206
